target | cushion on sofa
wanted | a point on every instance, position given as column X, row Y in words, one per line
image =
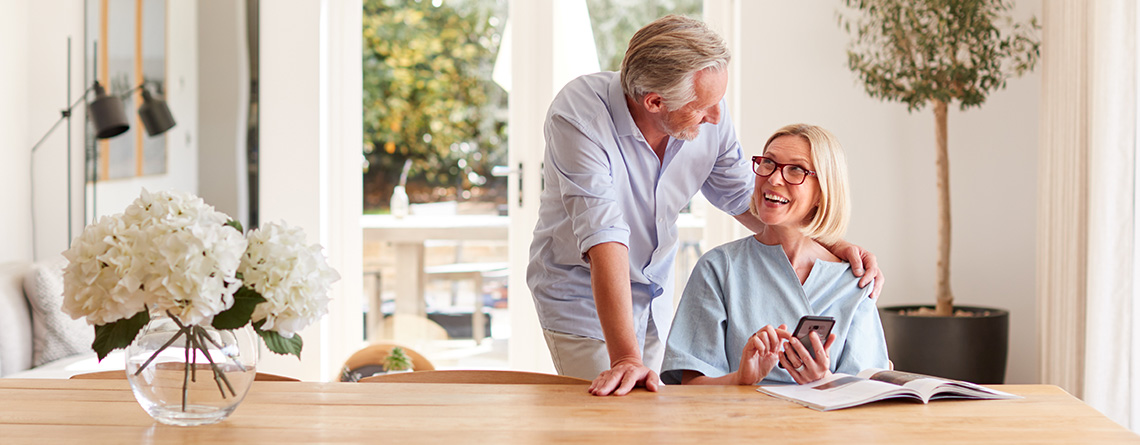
column 56, row 334
column 15, row 320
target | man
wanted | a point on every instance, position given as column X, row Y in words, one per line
column 624, row 154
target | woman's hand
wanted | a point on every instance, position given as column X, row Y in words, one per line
column 761, row 354
column 798, row 362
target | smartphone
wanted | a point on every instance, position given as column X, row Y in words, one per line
column 812, row 323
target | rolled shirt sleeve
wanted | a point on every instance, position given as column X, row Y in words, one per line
column 585, row 177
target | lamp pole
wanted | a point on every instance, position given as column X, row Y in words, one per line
column 106, row 113
column 70, row 220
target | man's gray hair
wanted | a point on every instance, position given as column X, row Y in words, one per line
column 664, row 56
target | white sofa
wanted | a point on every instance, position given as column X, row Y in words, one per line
column 37, row 340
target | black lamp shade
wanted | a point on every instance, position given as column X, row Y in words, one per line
column 155, row 115
column 106, row 113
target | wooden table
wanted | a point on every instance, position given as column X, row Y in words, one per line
column 90, row 411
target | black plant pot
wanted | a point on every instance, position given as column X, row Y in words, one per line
column 973, row 349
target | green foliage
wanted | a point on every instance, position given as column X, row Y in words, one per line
column 279, row 344
column 615, row 21
column 236, row 225
column 429, row 97
column 245, row 300
column 917, row 52
column 119, row 334
column 397, row 360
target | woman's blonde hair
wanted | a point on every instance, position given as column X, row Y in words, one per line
column 829, row 222
column 664, row 56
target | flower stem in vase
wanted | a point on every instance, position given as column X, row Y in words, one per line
column 183, row 331
column 229, row 355
column 192, row 350
column 219, row 374
column 186, row 374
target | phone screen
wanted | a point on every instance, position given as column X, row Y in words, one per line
column 812, row 323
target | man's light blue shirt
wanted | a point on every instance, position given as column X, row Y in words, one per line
column 603, row 183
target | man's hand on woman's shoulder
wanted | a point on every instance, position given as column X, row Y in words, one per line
column 864, row 264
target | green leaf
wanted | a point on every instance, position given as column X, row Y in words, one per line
column 119, row 334
column 235, row 224
column 245, row 300
column 278, row 344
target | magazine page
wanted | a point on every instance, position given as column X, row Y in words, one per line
column 932, row 387
column 843, row 390
column 838, row 391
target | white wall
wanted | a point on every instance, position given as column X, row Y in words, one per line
column 47, row 26
column 223, row 73
column 793, row 62
column 15, row 138
column 311, row 132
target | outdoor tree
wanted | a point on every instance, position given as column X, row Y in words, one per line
column 428, row 97
column 936, row 52
column 615, row 21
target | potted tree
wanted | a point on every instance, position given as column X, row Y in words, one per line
column 936, row 53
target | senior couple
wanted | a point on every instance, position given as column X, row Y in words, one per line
column 625, row 152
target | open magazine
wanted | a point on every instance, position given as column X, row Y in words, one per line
column 839, row 391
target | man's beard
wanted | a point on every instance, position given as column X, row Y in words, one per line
column 686, row 134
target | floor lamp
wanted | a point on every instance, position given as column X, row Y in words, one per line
column 107, row 116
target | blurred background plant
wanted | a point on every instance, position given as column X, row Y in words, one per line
column 428, row 97
column 397, row 360
column 429, row 94
column 615, row 21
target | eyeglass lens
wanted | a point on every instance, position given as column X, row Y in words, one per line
column 791, row 173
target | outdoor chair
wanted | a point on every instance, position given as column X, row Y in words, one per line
column 370, row 360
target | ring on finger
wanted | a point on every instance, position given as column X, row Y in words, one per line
column 800, row 368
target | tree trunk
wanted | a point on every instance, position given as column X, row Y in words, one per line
column 945, row 300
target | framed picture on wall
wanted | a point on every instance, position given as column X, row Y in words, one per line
column 126, row 49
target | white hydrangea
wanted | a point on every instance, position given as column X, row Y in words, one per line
column 195, row 256
column 93, row 281
column 168, row 250
column 293, row 277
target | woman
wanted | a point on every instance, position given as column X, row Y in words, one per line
column 723, row 332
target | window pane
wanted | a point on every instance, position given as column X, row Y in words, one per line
column 430, row 103
column 615, row 21
column 435, row 123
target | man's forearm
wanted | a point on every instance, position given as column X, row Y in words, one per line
column 609, row 278
column 839, row 248
column 750, row 221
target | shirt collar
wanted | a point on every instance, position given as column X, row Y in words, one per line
column 619, row 110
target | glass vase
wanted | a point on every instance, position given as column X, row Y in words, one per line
column 191, row 375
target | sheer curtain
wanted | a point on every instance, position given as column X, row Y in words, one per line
column 1087, row 212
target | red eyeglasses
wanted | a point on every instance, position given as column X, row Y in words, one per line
column 793, row 174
